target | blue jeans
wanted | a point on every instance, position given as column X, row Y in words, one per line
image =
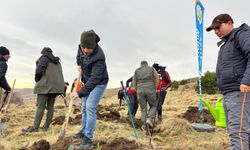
column 89, row 105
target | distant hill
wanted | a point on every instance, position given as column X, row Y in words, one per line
column 27, row 94
column 110, row 92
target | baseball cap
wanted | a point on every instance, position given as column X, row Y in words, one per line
column 218, row 20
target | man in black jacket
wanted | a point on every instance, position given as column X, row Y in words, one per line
column 4, row 57
column 91, row 58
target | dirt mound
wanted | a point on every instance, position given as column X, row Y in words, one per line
column 120, row 144
column 76, row 120
column 108, row 113
column 40, row 145
column 60, row 120
column 76, row 110
column 1, row 147
column 63, row 143
column 4, row 119
column 193, row 115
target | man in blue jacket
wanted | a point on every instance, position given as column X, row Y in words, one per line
column 91, row 58
column 4, row 57
column 233, row 77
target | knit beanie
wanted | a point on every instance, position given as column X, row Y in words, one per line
column 89, row 39
column 4, row 51
column 46, row 50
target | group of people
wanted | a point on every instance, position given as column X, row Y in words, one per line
column 152, row 84
column 50, row 83
column 232, row 70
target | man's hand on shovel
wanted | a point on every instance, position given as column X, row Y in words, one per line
column 74, row 95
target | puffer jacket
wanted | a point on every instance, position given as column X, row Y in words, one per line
column 233, row 64
column 94, row 70
column 3, row 69
column 49, row 77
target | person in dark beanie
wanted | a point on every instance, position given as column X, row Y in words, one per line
column 233, row 77
column 91, row 60
column 49, row 83
column 4, row 57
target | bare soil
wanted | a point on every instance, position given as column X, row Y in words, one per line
column 193, row 115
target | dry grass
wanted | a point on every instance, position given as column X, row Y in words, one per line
column 175, row 133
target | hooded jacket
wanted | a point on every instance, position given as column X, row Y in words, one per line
column 233, row 64
column 3, row 69
column 49, row 77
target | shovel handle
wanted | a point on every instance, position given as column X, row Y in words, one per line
column 10, row 97
column 65, row 124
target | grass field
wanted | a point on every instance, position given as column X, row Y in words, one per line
column 175, row 133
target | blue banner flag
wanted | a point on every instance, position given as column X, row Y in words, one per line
column 199, row 17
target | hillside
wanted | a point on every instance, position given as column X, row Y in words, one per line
column 113, row 129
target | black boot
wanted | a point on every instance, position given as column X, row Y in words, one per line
column 86, row 143
column 78, row 135
column 30, row 129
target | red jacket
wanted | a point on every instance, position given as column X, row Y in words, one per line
column 129, row 91
column 164, row 82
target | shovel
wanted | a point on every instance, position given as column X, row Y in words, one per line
column 4, row 101
column 130, row 114
column 11, row 94
column 65, row 124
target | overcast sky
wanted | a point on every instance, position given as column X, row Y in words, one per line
column 161, row 31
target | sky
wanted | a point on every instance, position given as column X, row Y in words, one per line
column 159, row 31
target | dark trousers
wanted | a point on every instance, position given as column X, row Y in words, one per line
column 161, row 97
column 133, row 104
column 44, row 101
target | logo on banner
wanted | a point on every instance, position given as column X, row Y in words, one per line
column 199, row 14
